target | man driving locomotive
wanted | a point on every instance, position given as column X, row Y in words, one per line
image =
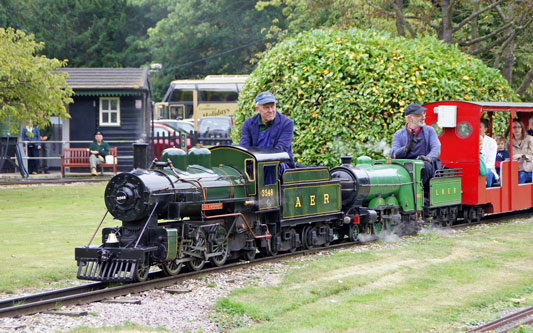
column 417, row 140
column 268, row 128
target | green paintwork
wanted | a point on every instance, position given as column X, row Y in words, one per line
column 305, row 175
column 444, row 191
column 172, row 244
column 236, row 158
column 177, row 156
column 268, row 195
column 392, row 201
column 200, row 156
column 306, row 199
column 376, row 202
column 388, row 179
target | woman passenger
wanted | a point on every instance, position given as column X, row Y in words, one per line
column 522, row 152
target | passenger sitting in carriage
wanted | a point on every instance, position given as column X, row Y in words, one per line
column 417, row 141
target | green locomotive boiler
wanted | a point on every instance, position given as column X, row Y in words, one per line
column 225, row 203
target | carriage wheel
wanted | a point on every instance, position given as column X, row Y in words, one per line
column 249, row 254
column 220, row 244
column 353, row 232
column 198, row 247
column 293, row 236
column 272, row 246
column 172, row 267
column 444, row 217
column 305, row 234
column 454, row 212
column 435, row 219
column 470, row 215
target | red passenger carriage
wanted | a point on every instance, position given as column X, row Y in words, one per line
column 457, row 124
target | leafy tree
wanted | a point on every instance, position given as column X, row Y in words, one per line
column 28, row 83
column 201, row 37
column 95, row 33
column 497, row 31
column 346, row 91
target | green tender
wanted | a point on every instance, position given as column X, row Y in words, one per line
column 445, row 191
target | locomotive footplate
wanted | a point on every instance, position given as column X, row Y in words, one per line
column 110, row 264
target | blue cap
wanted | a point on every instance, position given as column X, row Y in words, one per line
column 413, row 108
column 265, row 97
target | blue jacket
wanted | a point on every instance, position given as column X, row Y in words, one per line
column 401, row 139
column 280, row 137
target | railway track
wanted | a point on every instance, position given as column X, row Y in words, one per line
column 99, row 291
column 523, row 317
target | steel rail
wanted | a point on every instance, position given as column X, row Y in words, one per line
column 82, row 294
column 523, row 317
column 51, row 294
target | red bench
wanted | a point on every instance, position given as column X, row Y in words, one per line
column 79, row 158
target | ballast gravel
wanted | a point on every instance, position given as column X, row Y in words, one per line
column 189, row 310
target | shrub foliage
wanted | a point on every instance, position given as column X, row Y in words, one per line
column 346, row 90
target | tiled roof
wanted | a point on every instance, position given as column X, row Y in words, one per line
column 107, row 78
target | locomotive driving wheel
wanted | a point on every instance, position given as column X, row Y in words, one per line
column 220, row 244
column 141, row 271
column 198, row 247
column 377, row 228
column 171, row 267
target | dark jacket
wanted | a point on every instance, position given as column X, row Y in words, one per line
column 280, row 137
column 401, row 139
column 33, row 135
column 103, row 148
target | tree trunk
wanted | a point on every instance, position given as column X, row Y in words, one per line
column 446, row 28
column 399, row 21
column 508, row 51
column 521, row 91
column 475, row 30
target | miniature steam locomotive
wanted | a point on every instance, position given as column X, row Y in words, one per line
column 224, row 203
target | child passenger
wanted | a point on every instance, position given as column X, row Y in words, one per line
column 501, row 154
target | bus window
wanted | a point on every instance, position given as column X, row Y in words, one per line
column 218, row 96
column 177, row 112
column 182, row 95
column 218, row 92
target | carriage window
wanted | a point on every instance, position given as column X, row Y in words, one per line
column 249, row 167
column 270, row 174
column 464, row 130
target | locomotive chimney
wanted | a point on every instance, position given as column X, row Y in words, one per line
column 140, row 156
column 346, row 160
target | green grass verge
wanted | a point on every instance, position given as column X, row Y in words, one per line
column 41, row 226
column 428, row 283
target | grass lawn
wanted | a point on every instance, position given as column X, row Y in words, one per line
column 426, row 283
column 41, row 226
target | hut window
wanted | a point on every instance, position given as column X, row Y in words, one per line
column 109, row 111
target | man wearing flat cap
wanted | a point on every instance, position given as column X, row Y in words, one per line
column 99, row 149
column 268, row 128
column 417, row 140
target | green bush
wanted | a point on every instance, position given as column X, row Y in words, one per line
column 346, row 90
